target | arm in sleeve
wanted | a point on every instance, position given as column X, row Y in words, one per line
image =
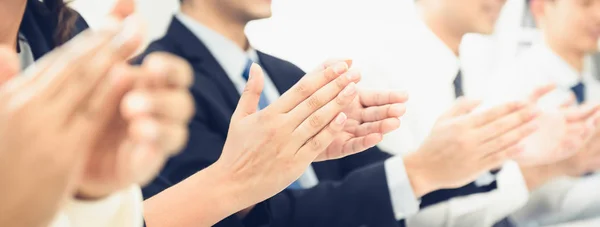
column 361, row 199
column 482, row 209
column 561, row 200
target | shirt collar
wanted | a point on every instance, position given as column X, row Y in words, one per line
column 441, row 55
column 558, row 70
column 229, row 55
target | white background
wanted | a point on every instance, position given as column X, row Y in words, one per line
column 307, row 32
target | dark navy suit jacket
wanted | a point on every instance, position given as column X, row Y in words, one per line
column 39, row 27
column 352, row 191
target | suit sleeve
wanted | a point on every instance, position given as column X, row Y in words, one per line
column 349, row 202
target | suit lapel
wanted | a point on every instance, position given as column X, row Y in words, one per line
column 282, row 79
column 202, row 61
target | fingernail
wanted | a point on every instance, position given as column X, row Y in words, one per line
column 149, row 130
column 396, row 109
column 138, row 103
column 341, row 119
column 352, row 75
column 350, row 89
column 340, row 68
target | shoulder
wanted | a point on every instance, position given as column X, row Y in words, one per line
column 279, row 63
column 160, row 45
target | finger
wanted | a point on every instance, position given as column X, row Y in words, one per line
column 539, row 92
column 91, row 89
column 321, row 117
column 308, row 85
column 171, row 105
column 360, row 144
column 314, row 148
column 169, row 137
column 461, row 107
column 381, row 127
column 56, row 70
column 250, row 97
column 493, row 114
column 123, row 8
column 146, row 162
column 582, row 113
column 320, row 98
column 378, row 113
column 571, row 101
column 505, row 124
column 9, row 64
column 509, row 139
column 168, row 71
column 332, row 62
column 380, row 98
column 497, row 159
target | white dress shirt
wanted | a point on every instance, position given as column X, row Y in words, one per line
column 233, row 60
column 564, row 199
column 418, row 62
column 122, row 209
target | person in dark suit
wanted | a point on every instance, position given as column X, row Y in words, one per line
column 69, row 124
column 367, row 189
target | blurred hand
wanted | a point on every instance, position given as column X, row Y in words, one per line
column 46, row 125
column 463, row 145
column 587, row 159
column 370, row 115
column 267, row 150
column 561, row 134
column 145, row 113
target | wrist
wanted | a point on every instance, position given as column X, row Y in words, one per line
column 536, row 176
column 226, row 188
column 418, row 176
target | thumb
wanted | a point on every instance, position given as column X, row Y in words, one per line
column 540, row 91
column 9, row 64
column 248, row 103
column 461, row 107
column 123, row 9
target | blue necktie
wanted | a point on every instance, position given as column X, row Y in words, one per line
column 579, row 91
column 262, row 103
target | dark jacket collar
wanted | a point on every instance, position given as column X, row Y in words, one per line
column 39, row 26
column 188, row 46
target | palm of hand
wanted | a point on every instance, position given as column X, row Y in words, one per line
column 110, row 155
column 342, row 145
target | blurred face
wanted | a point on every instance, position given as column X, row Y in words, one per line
column 472, row 16
column 574, row 24
column 246, row 10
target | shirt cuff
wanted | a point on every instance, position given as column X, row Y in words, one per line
column 404, row 201
column 120, row 209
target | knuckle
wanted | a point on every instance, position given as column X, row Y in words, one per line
column 341, row 100
column 302, row 89
column 315, row 144
column 315, row 121
column 341, row 82
column 314, row 103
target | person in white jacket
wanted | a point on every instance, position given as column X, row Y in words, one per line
column 570, row 31
column 429, row 45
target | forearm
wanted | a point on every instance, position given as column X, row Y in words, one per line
column 203, row 199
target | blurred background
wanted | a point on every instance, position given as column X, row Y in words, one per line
column 343, row 26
